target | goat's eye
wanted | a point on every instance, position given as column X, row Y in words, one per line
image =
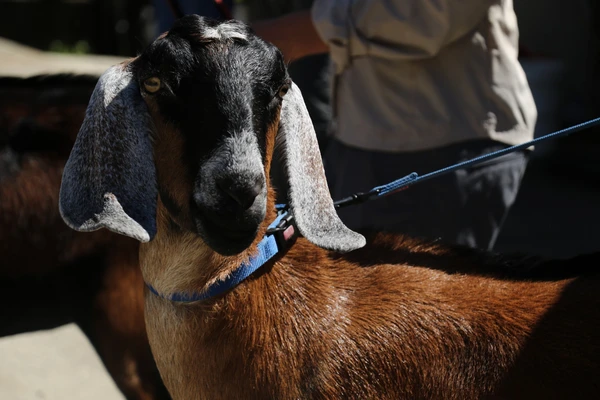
column 152, row 85
column 283, row 90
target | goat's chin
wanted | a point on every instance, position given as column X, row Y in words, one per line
column 225, row 240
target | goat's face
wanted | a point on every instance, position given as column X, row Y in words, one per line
column 214, row 92
column 194, row 120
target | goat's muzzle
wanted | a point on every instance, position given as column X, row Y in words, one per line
column 230, row 196
column 228, row 217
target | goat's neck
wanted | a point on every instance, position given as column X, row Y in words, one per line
column 180, row 261
column 198, row 347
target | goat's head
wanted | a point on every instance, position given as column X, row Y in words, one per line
column 194, row 120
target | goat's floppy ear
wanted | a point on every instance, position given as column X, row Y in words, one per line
column 109, row 180
column 309, row 196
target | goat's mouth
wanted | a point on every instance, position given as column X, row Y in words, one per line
column 224, row 236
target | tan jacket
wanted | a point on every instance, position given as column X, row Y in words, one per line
column 418, row 74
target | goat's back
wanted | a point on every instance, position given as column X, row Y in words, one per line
column 479, row 324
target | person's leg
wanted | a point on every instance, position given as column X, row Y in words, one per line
column 349, row 170
column 487, row 193
column 465, row 207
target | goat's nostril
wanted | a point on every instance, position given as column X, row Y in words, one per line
column 244, row 193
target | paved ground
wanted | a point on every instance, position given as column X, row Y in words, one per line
column 19, row 60
column 59, row 364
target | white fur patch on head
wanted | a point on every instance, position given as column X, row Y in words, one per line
column 224, row 31
column 114, row 218
column 111, row 83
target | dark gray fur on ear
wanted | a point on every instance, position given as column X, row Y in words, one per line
column 109, row 180
column 309, row 196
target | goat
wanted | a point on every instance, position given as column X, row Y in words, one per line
column 92, row 280
column 176, row 150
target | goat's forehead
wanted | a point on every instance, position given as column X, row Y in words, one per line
column 184, row 52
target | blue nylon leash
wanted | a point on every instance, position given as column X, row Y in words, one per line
column 414, row 178
column 274, row 242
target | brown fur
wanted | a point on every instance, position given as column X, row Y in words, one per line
column 91, row 279
column 400, row 319
column 174, row 177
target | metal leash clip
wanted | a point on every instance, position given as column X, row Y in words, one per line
column 285, row 231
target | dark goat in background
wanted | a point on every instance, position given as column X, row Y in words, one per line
column 49, row 274
column 181, row 140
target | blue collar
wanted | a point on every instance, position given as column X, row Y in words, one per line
column 280, row 235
